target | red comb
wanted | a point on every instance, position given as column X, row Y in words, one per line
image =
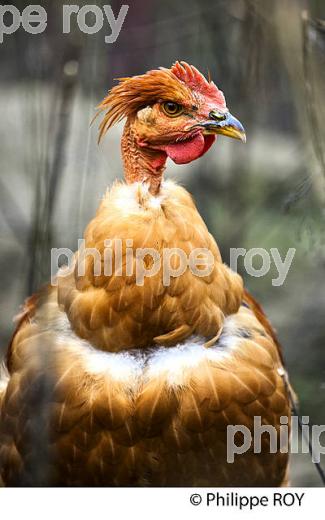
column 193, row 78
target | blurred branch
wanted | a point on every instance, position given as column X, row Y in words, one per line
column 66, row 98
column 41, row 236
column 301, row 190
column 313, row 30
column 13, row 216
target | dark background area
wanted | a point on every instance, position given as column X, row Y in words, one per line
column 269, row 60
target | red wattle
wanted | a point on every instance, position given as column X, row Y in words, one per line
column 187, row 151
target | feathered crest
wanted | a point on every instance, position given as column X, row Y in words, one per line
column 131, row 94
column 193, row 78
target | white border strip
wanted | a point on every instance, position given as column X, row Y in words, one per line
column 167, row 503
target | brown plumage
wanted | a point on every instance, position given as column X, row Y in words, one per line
column 109, row 381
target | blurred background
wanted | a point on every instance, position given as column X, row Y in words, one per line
column 269, row 59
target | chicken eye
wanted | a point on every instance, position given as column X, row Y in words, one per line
column 172, row 109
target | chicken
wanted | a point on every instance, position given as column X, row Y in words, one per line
column 128, row 376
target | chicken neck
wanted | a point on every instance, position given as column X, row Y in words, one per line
column 141, row 163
